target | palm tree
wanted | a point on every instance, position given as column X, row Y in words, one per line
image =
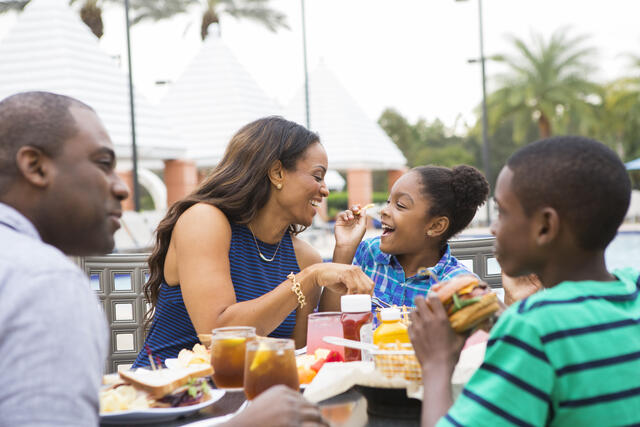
column 620, row 122
column 90, row 12
column 547, row 83
column 256, row 10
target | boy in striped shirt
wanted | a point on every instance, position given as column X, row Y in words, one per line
column 569, row 355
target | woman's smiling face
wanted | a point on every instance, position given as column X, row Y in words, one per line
column 405, row 217
column 304, row 188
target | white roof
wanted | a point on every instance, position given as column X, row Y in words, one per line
column 51, row 49
column 212, row 100
column 334, row 181
column 352, row 140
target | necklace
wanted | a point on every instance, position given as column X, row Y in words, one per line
column 264, row 258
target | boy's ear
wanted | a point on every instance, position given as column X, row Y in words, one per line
column 34, row 166
column 547, row 226
column 276, row 173
column 437, row 226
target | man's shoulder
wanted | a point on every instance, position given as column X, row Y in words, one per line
column 29, row 263
column 24, row 253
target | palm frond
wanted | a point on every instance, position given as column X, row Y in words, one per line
column 157, row 10
column 268, row 17
column 15, row 5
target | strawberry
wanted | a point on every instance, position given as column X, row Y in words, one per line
column 334, row 356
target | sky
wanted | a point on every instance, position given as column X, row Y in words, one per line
column 410, row 55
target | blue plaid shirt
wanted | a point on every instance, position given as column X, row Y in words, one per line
column 388, row 276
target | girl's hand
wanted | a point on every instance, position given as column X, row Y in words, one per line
column 436, row 344
column 350, row 226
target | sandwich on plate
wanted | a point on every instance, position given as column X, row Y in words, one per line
column 159, row 388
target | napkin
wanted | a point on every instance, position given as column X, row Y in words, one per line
column 335, row 378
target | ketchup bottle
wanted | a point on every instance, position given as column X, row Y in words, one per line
column 357, row 323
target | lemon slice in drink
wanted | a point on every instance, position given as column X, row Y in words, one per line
column 234, row 341
column 261, row 356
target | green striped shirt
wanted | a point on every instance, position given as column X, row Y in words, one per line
column 568, row 356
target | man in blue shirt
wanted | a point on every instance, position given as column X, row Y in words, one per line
column 59, row 195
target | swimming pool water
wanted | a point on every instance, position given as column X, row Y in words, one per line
column 624, row 251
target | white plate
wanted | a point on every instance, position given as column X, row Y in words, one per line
column 217, row 420
column 157, row 414
column 172, row 363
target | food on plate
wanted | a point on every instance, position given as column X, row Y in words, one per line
column 309, row 364
column 468, row 301
column 160, row 388
column 123, row 397
column 199, row 355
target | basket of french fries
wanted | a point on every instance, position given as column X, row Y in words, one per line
column 397, row 360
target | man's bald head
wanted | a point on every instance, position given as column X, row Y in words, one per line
column 36, row 119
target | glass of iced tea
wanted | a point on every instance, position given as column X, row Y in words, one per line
column 228, row 348
column 269, row 361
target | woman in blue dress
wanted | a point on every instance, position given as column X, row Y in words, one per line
column 224, row 253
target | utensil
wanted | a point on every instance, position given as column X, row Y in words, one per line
column 350, row 343
column 379, row 303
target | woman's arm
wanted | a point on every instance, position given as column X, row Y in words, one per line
column 201, row 241
column 306, row 256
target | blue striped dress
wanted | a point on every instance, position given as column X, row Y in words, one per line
column 172, row 330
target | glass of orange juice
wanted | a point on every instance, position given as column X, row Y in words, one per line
column 269, row 361
column 228, row 348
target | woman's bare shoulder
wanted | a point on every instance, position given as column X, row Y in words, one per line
column 202, row 218
column 305, row 253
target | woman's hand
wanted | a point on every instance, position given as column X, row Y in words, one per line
column 280, row 406
column 350, row 227
column 342, row 278
column 436, row 344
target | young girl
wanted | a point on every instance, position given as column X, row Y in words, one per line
column 426, row 207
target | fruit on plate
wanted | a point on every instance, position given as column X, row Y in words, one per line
column 310, row 364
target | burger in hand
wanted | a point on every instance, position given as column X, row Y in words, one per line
column 467, row 300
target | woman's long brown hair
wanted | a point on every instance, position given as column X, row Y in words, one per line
column 239, row 185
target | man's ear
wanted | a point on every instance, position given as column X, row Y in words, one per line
column 547, row 226
column 437, row 226
column 276, row 173
column 34, row 166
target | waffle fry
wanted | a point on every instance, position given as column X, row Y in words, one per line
column 398, row 360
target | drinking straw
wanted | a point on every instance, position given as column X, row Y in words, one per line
column 153, row 365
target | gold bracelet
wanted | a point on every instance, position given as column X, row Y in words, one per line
column 296, row 289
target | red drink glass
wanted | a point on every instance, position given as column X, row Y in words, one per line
column 324, row 324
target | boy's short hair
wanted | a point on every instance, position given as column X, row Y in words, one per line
column 584, row 180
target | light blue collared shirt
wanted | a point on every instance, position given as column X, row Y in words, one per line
column 53, row 334
column 387, row 274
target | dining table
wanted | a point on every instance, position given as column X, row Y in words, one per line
column 348, row 409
